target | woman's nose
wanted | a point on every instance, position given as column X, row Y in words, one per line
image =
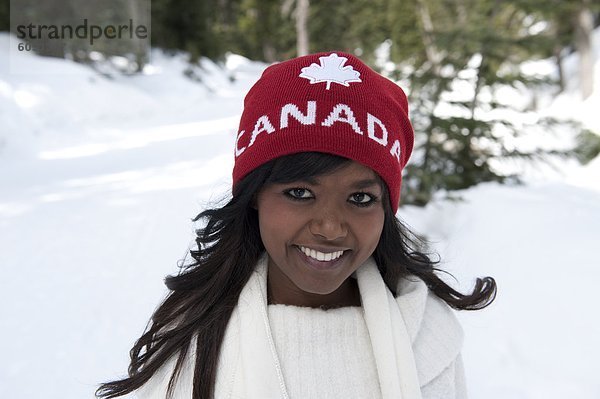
column 328, row 224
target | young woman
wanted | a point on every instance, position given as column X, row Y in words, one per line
column 305, row 284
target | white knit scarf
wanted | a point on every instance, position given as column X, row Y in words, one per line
column 262, row 376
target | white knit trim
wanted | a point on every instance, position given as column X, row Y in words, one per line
column 265, row 317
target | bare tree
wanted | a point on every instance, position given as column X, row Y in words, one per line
column 140, row 47
column 301, row 16
column 302, row 7
column 583, row 43
column 431, row 50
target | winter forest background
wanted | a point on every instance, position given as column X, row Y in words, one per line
column 108, row 151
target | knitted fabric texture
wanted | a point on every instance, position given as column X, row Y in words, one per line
column 331, row 103
column 324, row 353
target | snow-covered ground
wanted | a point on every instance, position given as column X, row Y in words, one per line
column 99, row 179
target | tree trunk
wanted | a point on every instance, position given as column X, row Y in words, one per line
column 140, row 47
column 561, row 72
column 484, row 52
column 584, row 25
column 302, row 8
column 433, row 55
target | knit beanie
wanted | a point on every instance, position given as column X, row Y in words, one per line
column 331, row 103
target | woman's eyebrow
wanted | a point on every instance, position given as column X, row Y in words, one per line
column 364, row 183
column 309, row 180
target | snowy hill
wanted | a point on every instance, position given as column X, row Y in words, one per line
column 99, row 178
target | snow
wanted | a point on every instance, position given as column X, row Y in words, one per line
column 99, row 179
column 539, row 339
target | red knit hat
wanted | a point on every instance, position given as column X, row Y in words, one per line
column 331, row 103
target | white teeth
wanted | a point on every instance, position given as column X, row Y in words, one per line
column 323, row 257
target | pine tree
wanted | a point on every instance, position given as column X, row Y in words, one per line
column 355, row 27
column 265, row 31
column 468, row 49
column 571, row 24
column 185, row 25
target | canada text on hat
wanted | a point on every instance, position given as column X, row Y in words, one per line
column 339, row 113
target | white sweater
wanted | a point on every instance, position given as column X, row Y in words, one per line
column 415, row 340
column 324, row 354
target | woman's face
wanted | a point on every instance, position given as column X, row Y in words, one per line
column 317, row 232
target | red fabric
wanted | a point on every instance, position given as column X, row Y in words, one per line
column 373, row 99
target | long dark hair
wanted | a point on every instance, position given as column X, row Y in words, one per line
column 204, row 293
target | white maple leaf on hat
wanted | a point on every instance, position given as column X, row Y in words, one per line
column 331, row 70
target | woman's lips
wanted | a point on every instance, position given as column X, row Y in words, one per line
column 321, row 265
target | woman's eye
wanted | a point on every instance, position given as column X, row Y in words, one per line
column 362, row 198
column 299, row 193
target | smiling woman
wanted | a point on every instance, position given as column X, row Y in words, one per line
column 305, row 284
column 324, row 219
